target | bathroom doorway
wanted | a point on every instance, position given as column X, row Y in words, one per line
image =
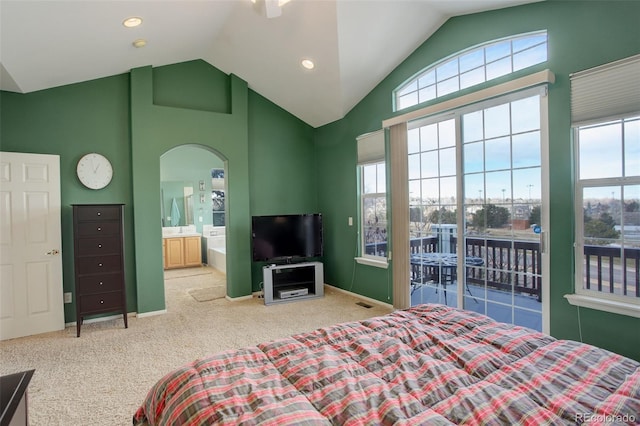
column 193, row 194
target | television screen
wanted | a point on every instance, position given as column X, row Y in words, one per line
column 286, row 236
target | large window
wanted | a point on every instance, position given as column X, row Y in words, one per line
column 608, row 200
column 374, row 210
column 373, row 199
column 605, row 101
column 473, row 66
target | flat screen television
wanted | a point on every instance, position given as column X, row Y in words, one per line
column 286, row 237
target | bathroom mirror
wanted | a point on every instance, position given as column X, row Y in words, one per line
column 177, row 203
column 201, row 172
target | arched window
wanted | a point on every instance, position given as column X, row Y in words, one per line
column 473, row 66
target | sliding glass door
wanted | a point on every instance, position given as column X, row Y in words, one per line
column 433, row 207
column 476, row 208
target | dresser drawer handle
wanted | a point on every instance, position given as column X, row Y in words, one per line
column 100, row 265
column 100, row 283
column 99, row 229
column 99, row 213
column 99, row 245
column 102, row 301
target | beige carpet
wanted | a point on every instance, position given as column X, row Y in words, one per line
column 208, row 293
column 102, row 377
column 202, row 283
column 171, row 274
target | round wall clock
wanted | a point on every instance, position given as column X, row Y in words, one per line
column 94, row 171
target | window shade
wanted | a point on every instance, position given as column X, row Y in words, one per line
column 607, row 91
column 371, row 147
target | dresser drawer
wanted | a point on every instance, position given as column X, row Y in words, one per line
column 99, row 264
column 91, row 213
column 98, row 243
column 99, row 283
column 100, row 302
column 99, row 246
column 92, row 229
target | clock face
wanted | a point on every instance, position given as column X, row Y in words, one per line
column 94, row 171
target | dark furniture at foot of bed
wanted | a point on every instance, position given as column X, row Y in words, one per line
column 428, row 365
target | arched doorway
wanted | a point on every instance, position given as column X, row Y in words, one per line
column 192, row 194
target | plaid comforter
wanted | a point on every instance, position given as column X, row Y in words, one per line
column 429, row 365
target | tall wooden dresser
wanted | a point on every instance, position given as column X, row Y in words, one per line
column 98, row 231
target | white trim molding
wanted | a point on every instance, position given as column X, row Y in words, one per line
column 613, row 306
column 240, row 298
column 359, row 296
column 101, row 319
column 152, row 313
column 382, row 263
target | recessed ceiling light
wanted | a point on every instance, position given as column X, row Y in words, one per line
column 308, row 64
column 134, row 21
column 139, row 43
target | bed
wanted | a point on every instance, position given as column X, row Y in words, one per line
column 429, row 365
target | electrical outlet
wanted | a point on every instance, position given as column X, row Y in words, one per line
column 67, row 297
column 350, row 221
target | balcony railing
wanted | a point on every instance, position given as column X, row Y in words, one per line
column 517, row 265
column 612, row 272
column 509, row 264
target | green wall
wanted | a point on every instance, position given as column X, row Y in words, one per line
column 155, row 130
column 136, row 117
column 289, row 185
column 277, row 164
column 581, row 35
column 70, row 121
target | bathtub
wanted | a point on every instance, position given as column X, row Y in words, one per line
column 216, row 248
column 217, row 258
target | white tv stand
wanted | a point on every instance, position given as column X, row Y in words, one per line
column 291, row 282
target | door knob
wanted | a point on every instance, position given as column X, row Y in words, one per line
column 53, row 252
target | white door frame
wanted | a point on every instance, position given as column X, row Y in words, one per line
column 543, row 92
column 31, row 292
column 544, row 147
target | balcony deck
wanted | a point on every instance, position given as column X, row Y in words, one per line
column 507, row 287
column 525, row 310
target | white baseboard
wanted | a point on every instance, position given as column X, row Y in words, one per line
column 359, row 296
column 152, row 313
column 231, row 299
column 101, row 319
column 238, row 299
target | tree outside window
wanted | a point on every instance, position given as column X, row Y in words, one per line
column 608, row 186
column 374, row 210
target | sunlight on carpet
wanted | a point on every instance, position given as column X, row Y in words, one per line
column 208, row 293
column 170, row 274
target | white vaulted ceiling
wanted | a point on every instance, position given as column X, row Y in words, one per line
column 354, row 43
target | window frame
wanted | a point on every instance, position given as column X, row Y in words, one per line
column 364, row 258
column 624, row 305
column 458, row 114
column 405, row 89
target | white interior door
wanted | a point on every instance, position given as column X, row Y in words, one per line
column 31, row 295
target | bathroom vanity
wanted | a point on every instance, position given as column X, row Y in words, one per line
column 181, row 249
